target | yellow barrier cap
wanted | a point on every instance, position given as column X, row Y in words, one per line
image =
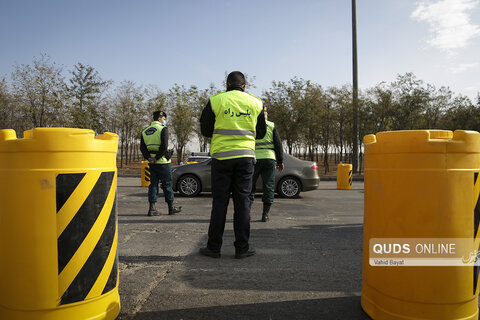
column 370, row 138
column 422, row 141
column 8, row 134
column 58, row 139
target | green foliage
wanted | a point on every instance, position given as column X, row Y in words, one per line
column 411, row 98
column 462, row 114
column 85, row 90
column 282, row 102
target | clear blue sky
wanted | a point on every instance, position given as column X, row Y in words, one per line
column 195, row 42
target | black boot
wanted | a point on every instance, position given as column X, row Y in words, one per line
column 172, row 210
column 152, row 211
column 266, row 208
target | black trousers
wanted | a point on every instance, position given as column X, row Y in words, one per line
column 232, row 176
column 266, row 169
column 160, row 172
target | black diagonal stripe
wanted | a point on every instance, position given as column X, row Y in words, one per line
column 476, row 269
column 350, row 177
column 476, row 220
column 76, row 231
column 476, row 216
column 112, row 279
column 475, row 278
column 66, row 183
column 85, row 279
column 147, row 175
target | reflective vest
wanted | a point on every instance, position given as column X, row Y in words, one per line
column 152, row 136
column 264, row 148
column 236, row 115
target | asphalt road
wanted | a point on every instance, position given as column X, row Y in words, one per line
column 308, row 262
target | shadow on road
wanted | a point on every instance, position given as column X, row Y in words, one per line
column 325, row 309
column 300, row 258
column 159, row 220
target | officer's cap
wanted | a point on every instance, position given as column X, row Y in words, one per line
column 158, row 114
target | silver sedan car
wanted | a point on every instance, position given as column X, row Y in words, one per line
column 299, row 175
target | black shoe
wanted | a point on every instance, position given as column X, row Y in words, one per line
column 241, row 255
column 152, row 211
column 266, row 209
column 209, row 253
column 172, row 209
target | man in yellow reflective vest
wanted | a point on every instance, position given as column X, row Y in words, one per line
column 154, row 148
column 233, row 119
column 269, row 154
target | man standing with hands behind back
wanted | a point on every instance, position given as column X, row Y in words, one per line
column 154, row 148
column 233, row 119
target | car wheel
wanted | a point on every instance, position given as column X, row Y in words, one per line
column 189, row 185
column 289, row 187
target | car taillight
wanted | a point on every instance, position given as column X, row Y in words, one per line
column 314, row 166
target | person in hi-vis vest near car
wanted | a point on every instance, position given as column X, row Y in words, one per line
column 154, row 148
column 233, row 119
column 269, row 154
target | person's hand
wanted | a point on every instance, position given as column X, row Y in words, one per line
column 152, row 160
column 280, row 167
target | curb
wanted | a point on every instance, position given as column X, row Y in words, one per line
column 335, row 178
column 128, row 175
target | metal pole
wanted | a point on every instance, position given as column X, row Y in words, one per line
column 355, row 88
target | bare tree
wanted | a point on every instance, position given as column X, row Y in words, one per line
column 128, row 106
column 40, row 89
column 203, row 97
column 7, row 114
column 182, row 104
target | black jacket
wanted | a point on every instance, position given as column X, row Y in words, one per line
column 277, row 146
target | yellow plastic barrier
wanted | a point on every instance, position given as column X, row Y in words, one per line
column 344, row 177
column 58, row 225
column 145, row 174
column 421, row 184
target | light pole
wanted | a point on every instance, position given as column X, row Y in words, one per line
column 355, row 88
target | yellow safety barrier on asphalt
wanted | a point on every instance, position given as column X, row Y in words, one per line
column 421, row 184
column 58, row 225
column 344, row 176
column 145, row 176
